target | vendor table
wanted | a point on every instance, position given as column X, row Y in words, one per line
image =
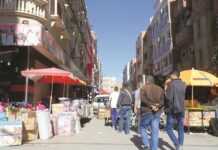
column 198, row 117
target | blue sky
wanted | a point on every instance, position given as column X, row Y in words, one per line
column 117, row 24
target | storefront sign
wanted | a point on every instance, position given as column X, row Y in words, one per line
column 20, row 34
column 29, row 35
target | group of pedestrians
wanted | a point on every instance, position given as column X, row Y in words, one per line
column 150, row 102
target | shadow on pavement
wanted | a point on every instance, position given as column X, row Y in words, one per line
column 83, row 121
column 163, row 145
column 137, row 141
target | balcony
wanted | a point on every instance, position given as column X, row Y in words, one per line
column 25, row 8
column 57, row 21
column 43, row 2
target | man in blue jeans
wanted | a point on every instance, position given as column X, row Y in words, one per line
column 125, row 107
column 152, row 99
column 113, row 104
column 175, row 96
column 178, row 142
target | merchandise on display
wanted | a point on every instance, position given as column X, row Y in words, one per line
column 44, row 124
column 24, row 123
column 10, row 133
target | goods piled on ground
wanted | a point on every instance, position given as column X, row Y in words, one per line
column 21, row 123
column 104, row 113
column 10, row 133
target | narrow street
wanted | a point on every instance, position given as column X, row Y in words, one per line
column 96, row 136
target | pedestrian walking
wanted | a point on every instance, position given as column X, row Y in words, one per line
column 113, row 104
column 125, row 108
column 137, row 103
column 175, row 96
column 152, row 99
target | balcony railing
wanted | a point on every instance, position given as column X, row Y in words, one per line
column 42, row 1
column 24, row 7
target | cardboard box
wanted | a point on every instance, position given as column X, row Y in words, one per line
column 65, row 124
column 10, row 133
column 30, row 135
column 193, row 119
column 30, row 128
column 58, row 108
column 104, row 113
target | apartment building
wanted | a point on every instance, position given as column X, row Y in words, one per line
column 195, row 33
column 39, row 34
column 139, row 56
column 162, row 38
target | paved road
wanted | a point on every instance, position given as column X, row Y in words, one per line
column 96, row 136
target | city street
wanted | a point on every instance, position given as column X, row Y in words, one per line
column 96, row 136
column 64, row 60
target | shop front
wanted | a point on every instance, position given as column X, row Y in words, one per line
column 201, row 103
column 25, row 46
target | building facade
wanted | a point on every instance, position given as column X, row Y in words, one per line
column 182, row 31
column 162, row 38
column 148, row 52
column 40, row 34
column 194, row 34
column 205, row 32
column 140, row 56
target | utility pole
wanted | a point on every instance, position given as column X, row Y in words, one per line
column 27, row 79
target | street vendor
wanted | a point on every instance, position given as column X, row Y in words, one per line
column 213, row 101
column 213, row 97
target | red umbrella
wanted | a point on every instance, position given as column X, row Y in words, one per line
column 32, row 73
column 59, row 79
column 50, row 75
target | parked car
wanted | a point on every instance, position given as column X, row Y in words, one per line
column 100, row 101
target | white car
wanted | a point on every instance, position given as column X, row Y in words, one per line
column 100, row 101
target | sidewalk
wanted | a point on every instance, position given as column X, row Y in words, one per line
column 96, row 136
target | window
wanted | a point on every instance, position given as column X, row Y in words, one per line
column 59, row 10
column 3, row 3
column 170, row 58
column 52, row 7
column 17, row 4
column 198, row 29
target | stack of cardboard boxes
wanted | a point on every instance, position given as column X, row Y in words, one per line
column 103, row 113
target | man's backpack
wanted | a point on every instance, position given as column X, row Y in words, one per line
column 213, row 127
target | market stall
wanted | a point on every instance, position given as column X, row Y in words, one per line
column 198, row 109
column 67, row 114
column 64, row 119
column 23, row 122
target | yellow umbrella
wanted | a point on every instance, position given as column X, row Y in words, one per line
column 195, row 77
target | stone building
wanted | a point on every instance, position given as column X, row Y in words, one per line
column 40, row 34
column 139, row 56
column 182, row 32
column 147, row 52
column 162, row 38
column 194, row 33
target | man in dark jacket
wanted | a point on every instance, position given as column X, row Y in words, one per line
column 152, row 99
column 124, row 105
column 175, row 96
